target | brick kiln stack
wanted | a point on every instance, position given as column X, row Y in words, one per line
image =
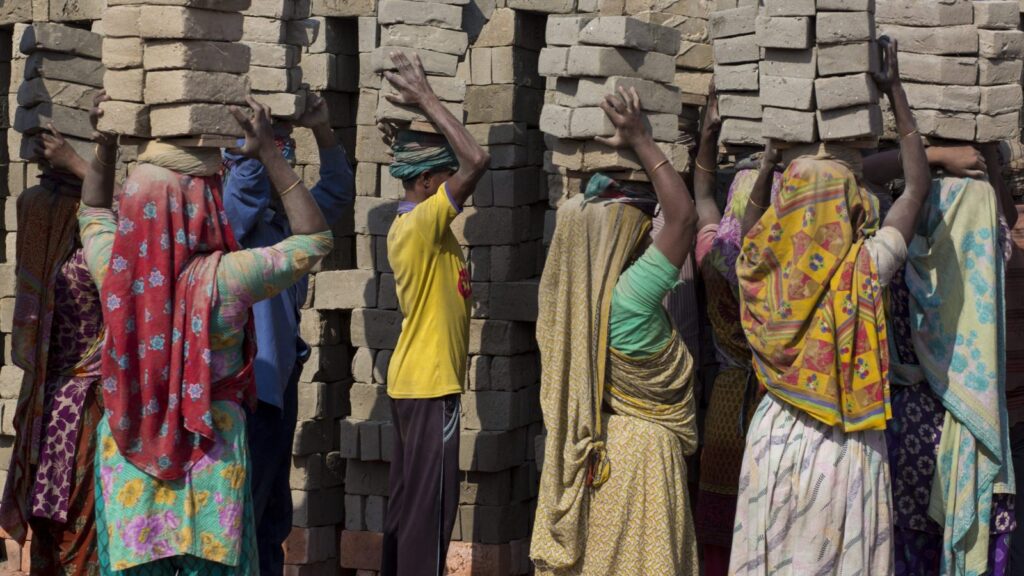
column 173, row 69
column 961, row 65
column 275, row 32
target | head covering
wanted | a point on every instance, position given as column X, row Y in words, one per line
column 190, row 161
column 419, row 152
column 602, row 188
column 811, row 302
column 160, row 292
column 592, row 244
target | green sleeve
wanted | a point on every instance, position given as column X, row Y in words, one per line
column 638, row 324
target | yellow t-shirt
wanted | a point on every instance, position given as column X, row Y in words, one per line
column 434, row 295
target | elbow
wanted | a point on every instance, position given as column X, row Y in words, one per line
column 479, row 162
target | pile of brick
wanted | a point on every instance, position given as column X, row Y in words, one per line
column 275, row 32
column 62, row 76
column 737, row 81
column 961, row 65
column 172, row 70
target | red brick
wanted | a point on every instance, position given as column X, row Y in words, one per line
column 361, row 550
column 467, row 559
column 310, row 545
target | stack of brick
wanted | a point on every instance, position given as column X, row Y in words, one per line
column 695, row 60
column 62, row 76
column 589, row 58
column 736, row 71
column 275, row 32
column 486, row 73
column 834, row 98
column 173, row 69
column 961, row 65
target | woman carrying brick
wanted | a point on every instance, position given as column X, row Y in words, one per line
column 616, row 384
column 172, row 465
column 815, row 493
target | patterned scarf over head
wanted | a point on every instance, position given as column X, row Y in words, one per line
column 419, row 152
column 160, row 293
column 811, row 303
column 604, row 189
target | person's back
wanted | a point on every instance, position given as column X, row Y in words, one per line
column 434, row 295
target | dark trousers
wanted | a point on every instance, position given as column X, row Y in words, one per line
column 424, row 482
column 1017, row 539
column 270, row 447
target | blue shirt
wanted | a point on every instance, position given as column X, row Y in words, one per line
column 247, row 202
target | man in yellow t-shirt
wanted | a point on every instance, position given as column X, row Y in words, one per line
column 427, row 370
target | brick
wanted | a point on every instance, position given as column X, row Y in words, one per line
column 791, row 93
column 654, row 97
column 361, row 550
column 938, row 97
column 791, row 33
column 998, row 100
column 503, row 103
column 369, row 401
column 850, row 123
column 741, row 131
column 993, row 72
column 174, row 86
column 39, row 90
column 54, row 37
column 273, row 55
column 849, row 59
column 126, row 85
column 65, row 67
column 500, row 338
column 734, row 22
column 925, row 68
column 606, row 61
column 128, row 118
column 740, row 105
column 318, row 71
column 326, row 364
column 222, row 5
column 925, row 12
column 946, row 40
column 122, row 21
column 197, row 56
column 375, row 328
column 1001, row 43
column 847, row 5
column 187, row 119
column 740, row 77
column 695, row 56
column 553, row 62
column 737, row 50
column 369, row 440
column 311, row 545
column 565, row 30
column 544, row 6
column 493, row 524
column 506, row 27
column 836, row 92
column 790, row 7
column 344, row 8
column 276, row 79
column 844, row 27
column 789, row 125
column 368, row 32
column 72, row 121
column 997, row 14
column 264, row 30
column 175, row 22
column 425, row 37
column 120, row 53
column 790, row 63
column 998, row 128
column 318, row 507
column 346, row 290
column 491, row 451
column 468, row 558
column 354, row 512
column 433, row 62
column 303, row 33
column 628, row 32
column 419, row 14
column 283, row 104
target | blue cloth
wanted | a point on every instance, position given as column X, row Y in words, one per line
column 247, row 202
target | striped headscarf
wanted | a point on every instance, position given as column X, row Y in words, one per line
column 419, row 152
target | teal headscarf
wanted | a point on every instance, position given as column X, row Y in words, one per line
column 603, row 188
column 419, row 152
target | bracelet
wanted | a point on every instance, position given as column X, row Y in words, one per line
column 750, row 199
column 908, row 135
column 96, row 154
column 699, row 167
column 659, row 165
column 290, row 188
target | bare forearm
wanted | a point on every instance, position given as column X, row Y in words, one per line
column 98, row 178
column 467, row 150
column 905, row 210
column 995, row 177
column 704, row 180
column 325, row 137
column 760, row 197
column 675, row 240
column 302, row 210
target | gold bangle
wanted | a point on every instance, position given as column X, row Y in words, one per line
column 908, row 135
column 290, row 188
column 659, row 165
column 750, row 199
column 699, row 167
column 96, row 154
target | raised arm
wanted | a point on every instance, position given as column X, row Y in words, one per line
column 336, row 188
column 53, row 148
column 904, row 212
column 98, row 182
column 964, row 161
column 303, row 213
column 675, row 240
column 761, row 194
column 704, row 175
column 413, row 90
